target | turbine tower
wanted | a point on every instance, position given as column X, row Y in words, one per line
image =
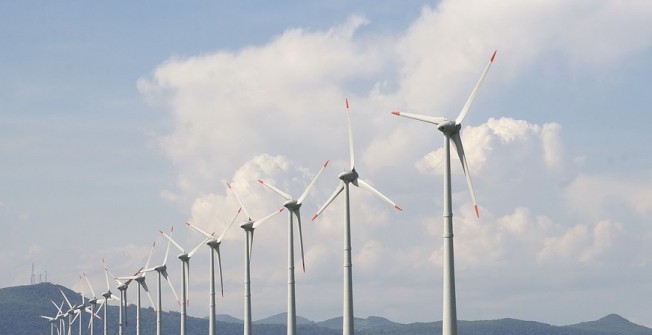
column 248, row 226
column 293, row 206
column 215, row 250
column 185, row 276
column 162, row 272
column 349, row 177
column 139, row 277
column 451, row 131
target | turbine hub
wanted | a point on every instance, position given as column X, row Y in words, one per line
column 161, row 268
column 292, row 205
column 183, row 257
column 449, row 127
column 249, row 225
column 213, row 243
column 348, row 176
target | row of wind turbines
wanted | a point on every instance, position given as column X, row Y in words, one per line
column 451, row 131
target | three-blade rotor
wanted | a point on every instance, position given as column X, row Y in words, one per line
column 351, row 176
column 451, row 129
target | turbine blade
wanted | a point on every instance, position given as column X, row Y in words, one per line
column 250, row 236
column 457, row 141
column 219, row 239
column 219, row 264
column 348, row 120
column 314, row 180
column 150, row 254
column 207, row 235
column 436, row 120
column 106, row 274
column 362, row 184
column 239, row 202
column 167, row 278
column 468, row 103
column 279, row 192
column 338, row 190
column 298, row 215
column 89, row 285
column 167, row 250
column 173, row 241
column 193, row 251
column 261, row 221
column 66, row 298
column 149, row 296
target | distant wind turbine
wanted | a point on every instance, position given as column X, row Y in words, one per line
column 105, row 303
column 162, row 272
column 185, row 276
column 293, row 206
column 215, row 250
column 248, row 226
column 140, row 279
column 92, row 303
column 451, row 131
column 349, row 177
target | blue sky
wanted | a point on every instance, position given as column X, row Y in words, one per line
column 119, row 120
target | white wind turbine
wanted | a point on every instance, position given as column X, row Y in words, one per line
column 60, row 317
column 215, row 250
column 451, row 131
column 293, row 206
column 72, row 310
column 92, row 303
column 123, row 285
column 105, row 303
column 249, row 226
column 51, row 320
column 349, row 177
column 139, row 277
column 162, row 272
column 185, row 276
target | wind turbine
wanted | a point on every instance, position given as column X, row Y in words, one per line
column 162, row 272
column 71, row 309
column 249, row 226
column 350, row 177
column 293, row 206
column 51, row 320
column 185, row 276
column 215, row 249
column 139, row 277
column 60, row 316
column 92, row 303
column 122, row 287
column 451, row 131
column 105, row 303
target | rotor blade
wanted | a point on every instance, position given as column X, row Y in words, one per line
column 165, row 275
column 219, row 239
column 57, row 306
column 149, row 296
column 436, row 120
column 362, row 184
column 298, row 215
column 338, row 190
column 348, row 120
column 468, row 103
column 150, row 254
column 89, row 285
column 259, row 222
column 250, row 236
column 167, row 250
column 314, row 180
column 66, row 298
column 279, row 192
column 207, row 235
column 193, row 251
column 239, row 202
column 457, row 141
column 173, row 241
column 219, row 263
column 106, row 274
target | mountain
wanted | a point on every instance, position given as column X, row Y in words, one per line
column 21, row 306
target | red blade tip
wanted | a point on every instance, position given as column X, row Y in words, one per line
column 260, row 181
column 399, row 208
column 493, row 56
column 477, row 213
column 347, row 102
column 326, row 164
column 396, row 113
column 314, row 217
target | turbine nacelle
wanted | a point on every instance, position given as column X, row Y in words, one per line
column 161, row 268
column 292, row 205
column 214, row 243
column 248, row 226
column 184, row 257
column 348, row 176
column 449, row 127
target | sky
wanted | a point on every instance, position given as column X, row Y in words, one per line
column 119, row 120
